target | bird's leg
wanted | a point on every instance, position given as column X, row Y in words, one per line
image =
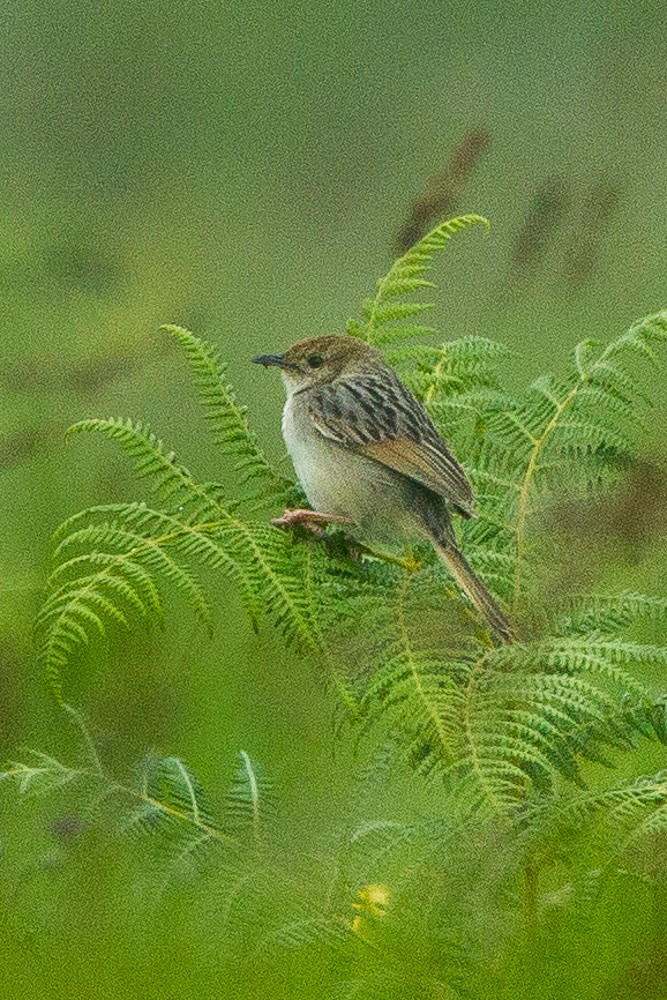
column 309, row 519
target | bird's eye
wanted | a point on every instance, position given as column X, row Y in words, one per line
column 315, row 360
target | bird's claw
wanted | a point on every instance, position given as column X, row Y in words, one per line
column 310, row 520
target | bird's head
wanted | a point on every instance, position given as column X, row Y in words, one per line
column 322, row 359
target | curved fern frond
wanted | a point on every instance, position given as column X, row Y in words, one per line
column 150, row 457
column 134, row 547
column 559, row 421
column 630, row 819
column 163, row 799
column 384, row 314
column 170, row 796
column 166, row 802
column 503, row 722
column 607, row 613
column 248, row 798
column 568, row 434
column 226, row 418
column 40, row 775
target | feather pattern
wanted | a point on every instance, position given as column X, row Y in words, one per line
column 377, row 416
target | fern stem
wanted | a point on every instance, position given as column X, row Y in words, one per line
column 406, row 642
column 343, row 687
column 523, row 510
column 435, row 375
column 467, row 725
column 254, row 793
column 87, row 739
column 178, row 814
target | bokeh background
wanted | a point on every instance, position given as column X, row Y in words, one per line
column 248, row 170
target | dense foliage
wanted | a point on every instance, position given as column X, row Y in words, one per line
column 511, row 736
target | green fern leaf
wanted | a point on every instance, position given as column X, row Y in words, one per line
column 226, row 419
column 606, row 614
column 43, row 775
column 151, row 459
column 248, row 798
column 405, row 277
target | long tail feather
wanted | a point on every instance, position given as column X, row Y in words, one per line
column 476, row 590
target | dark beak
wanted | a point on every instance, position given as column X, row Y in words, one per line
column 270, row 359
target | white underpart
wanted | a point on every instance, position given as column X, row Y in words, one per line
column 338, row 481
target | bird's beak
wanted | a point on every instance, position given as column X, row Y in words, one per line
column 270, row 359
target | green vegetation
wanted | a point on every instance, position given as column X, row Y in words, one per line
column 525, row 812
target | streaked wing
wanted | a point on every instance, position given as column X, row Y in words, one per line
column 377, row 416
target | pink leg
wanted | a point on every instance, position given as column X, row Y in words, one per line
column 309, row 519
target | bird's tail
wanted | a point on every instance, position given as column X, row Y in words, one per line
column 476, row 590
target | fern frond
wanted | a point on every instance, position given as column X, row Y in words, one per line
column 166, row 802
column 164, row 799
column 43, row 774
column 569, row 429
column 248, row 798
column 125, row 556
column 626, row 814
column 171, row 804
column 607, row 613
column 502, row 722
column 112, row 581
column 226, row 418
column 150, row 457
column 72, row 611
column 383, row 314
column 164, row 806
column 454, row 371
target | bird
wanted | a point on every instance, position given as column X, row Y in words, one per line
column 369, row 458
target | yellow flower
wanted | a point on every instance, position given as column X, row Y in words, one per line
column 372, row 901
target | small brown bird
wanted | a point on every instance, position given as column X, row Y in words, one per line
column 367, row 454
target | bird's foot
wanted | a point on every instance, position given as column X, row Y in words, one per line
column 311, row 520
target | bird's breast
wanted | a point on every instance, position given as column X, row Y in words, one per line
column 338, row 480
column 320, row 464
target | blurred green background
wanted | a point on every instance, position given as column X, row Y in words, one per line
column 244, row 169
